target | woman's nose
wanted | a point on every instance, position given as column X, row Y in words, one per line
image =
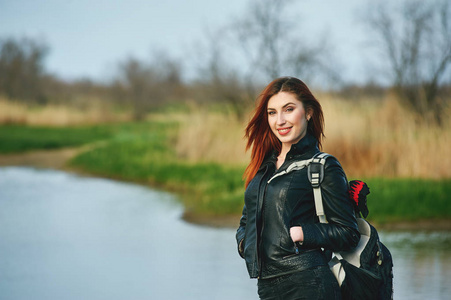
column 280, row 119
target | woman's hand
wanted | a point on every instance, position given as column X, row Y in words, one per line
column 296, row 233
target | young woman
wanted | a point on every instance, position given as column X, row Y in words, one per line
column 280, row 236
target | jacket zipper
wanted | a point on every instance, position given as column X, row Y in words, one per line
column 259, row 260
column 263, row 227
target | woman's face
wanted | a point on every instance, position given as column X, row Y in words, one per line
column 287, row 118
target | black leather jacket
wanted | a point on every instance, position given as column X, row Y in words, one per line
column 287, row 200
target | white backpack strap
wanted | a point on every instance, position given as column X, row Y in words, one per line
column 297, row 165
column 316, row 176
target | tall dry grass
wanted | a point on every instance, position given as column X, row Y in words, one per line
column 381, row 138
column 211, row 137
column 370, row 138
column 58, row 115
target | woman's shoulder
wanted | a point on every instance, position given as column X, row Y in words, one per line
column 331, row 161
column 333, row 170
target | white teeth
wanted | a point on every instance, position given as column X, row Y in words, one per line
column 284, row 130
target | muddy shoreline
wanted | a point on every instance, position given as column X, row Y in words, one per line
column 47, row 159
column 57, row 159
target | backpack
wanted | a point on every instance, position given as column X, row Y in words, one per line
column 365, row 272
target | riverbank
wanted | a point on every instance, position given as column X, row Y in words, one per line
column 59, row 159
column 50, row 159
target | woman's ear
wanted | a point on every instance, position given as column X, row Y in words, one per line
column 308, row 115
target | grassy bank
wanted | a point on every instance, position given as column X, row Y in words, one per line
column 410, row 200
column 146, row 153
column 22, row 138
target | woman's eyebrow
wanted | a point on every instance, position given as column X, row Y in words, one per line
column 289, row 103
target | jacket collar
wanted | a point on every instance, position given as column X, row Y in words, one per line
column 270, row 158
column 305, row 148
column 306, row 145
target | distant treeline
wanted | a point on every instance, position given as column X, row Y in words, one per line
column 413, row 37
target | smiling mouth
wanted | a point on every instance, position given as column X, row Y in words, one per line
column 284, row 131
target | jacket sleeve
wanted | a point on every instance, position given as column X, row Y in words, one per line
column 341, row 232
column 240, row 232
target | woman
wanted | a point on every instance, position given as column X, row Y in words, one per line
column 280, row 236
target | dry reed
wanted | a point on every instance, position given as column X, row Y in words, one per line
column 211, row 137
column 383, row 139
column 57, row 115
column 371, row 138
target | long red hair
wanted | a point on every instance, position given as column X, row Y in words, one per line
column 258, row 133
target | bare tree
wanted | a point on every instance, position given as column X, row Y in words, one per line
column 415, row 40
column 22, row 69
column 218, row 79
column 273, row 44
column 147, row 84
column 260, row 45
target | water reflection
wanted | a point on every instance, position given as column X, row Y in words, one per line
column 422, row 264
column 69, row 237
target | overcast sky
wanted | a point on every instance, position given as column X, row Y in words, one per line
column 87, row 38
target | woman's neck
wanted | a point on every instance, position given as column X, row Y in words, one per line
column 285, row 149
column 282, row 155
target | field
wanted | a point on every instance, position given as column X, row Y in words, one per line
column 198, row 153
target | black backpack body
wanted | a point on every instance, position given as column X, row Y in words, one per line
column 365, row 272
column 377, row 258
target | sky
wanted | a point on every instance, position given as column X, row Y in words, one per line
column 87, row 38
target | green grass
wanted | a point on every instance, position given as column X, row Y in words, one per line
column 144, row 152
column 18, row 138
column 405, row 199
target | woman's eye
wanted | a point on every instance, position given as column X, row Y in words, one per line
column 290, row 109
column 271, row 113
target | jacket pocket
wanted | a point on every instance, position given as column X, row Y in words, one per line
column 296, row 252
column 288, row 247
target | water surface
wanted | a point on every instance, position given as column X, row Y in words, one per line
column 64, row 236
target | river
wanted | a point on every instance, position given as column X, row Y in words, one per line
column 64, row 236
